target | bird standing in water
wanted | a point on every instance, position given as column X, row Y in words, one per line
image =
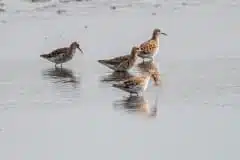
column 136, row 85
column 150, row 48
column 62, row 55
column 122, row 63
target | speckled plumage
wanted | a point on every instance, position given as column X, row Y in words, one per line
column 62, row 55
column 122, row 63
column 134, row 85
column 137, row 84
column 150, row 48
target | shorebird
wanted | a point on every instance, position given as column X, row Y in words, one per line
column 149, row 48
column 135, row 85
column 62, row 55
column 122, row 63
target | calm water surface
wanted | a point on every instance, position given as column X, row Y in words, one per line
column 74, row 113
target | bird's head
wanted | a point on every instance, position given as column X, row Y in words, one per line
column 135, row 50
column 157, row 32
column 76, row 45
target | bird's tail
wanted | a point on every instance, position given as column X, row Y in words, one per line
column 104, row 62
column 107, row 64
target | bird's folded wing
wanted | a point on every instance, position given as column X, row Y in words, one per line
column 148, row 46
column 117, row 60
column 123, row 65
column 57, row 52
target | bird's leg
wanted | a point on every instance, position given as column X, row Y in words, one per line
column 55, row 65
column 61, row 65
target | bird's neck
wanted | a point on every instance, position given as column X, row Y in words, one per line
column 155, row 38
column 133, row 55
column 72, row 50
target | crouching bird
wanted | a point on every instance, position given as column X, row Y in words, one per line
column 138, row 84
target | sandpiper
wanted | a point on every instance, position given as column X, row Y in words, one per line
column 122, row 63
column 135, row 85
column 150, row 48
column 62, row 55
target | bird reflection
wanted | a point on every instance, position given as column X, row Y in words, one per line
column 136, row 104
column 116, row 77
column 150, row 66
column 61, row 75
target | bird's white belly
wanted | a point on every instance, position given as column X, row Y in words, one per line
column 148, row 55
column 156, row 52
column 145, row 86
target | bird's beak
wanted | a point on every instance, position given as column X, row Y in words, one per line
column 165, row 34
column 80, row 50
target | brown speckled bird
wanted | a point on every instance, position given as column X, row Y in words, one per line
column 135, row 85
column 62, row 55
column 122, row 63
column 150, row 48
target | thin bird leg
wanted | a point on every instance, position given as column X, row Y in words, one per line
column 61, row 65
column 55, row 65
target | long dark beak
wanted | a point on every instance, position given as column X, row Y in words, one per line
column 80, row 50
column 165, row 34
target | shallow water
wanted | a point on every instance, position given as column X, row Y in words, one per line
column 73, row 112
